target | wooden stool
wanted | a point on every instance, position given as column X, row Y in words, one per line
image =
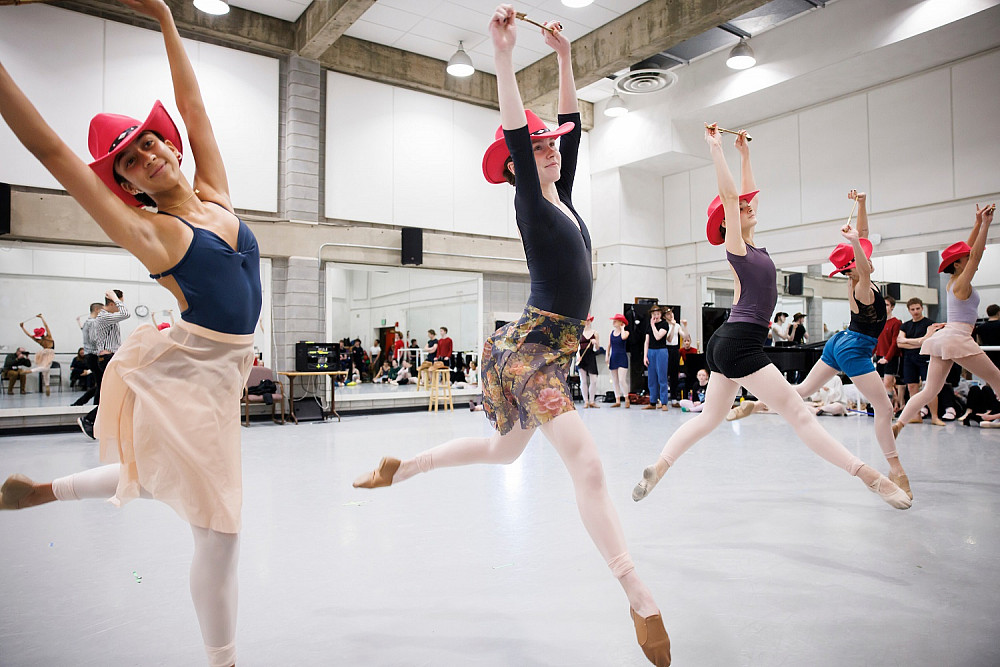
column 440, row 389
column 424, row 378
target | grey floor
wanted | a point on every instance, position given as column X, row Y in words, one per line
column 759, row 553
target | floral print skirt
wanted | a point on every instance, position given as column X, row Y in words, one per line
column 524, row 369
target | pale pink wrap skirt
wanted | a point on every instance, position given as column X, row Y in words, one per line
column 954, row 341
column 170, row 414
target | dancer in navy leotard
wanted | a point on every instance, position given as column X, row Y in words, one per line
column 525, row 362
column 618, row 359
column 735, row 353
column 168, row 422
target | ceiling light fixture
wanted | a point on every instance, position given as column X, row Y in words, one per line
column 741, row 57
column 460, row 64
column 616, row 106
column 214, row 7
column 576, row 3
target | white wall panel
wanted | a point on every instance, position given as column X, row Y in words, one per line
column 241, row 95
column 833, row 146
column 65, row 90
column 480, row 207
column 605, row 223
column 359, row 149
column 641, row 208
column 911, row 150
column 423, row 164
column 704, row 188
column 677, row 226
column 136, row 74
column 774, row 154
column 976, row 108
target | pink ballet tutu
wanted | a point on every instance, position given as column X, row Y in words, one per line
column 954, row 341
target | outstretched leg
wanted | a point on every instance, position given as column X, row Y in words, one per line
column 770, row 386
column 718, row 399
column 936, row 374
column 871, row 386
column 502, row 449
column 19, row 492
column 819, row 375
column 214, row 592
column 576, row 446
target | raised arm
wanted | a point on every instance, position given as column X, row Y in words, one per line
column 210, row 174
column 21, row 324
column 747, row 182
column 863, row 289
column 727, row 193
column 504, row 35
column 123, row 224
column 962, row 287
column 861, row 198
column 45, row 324
column 567, row 84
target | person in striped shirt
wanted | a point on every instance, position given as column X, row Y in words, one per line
column 106, row 337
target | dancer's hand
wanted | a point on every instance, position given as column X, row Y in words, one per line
column 502, row 29
column 156, row 9
column 645, row 360
column 555, row 39
column 712, row 135
column 985, row 214
column 849, row 233
column 742, row 145
column 883, row 360
column 857, row 196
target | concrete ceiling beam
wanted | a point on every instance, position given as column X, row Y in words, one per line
column 323, row 22
column 632, row 37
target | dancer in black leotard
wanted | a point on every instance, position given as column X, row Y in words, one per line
column 525, row 362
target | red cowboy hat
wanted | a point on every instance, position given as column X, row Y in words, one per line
column 953, row 253
column 843, row 258
column 620, row 318
column 590, row 318
column 162, row 325
column 496, row 155
column 111, row 133
column 716, row 214
column 39, row 332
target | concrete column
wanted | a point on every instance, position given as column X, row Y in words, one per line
column 814, row 307
column 297, row 301
column 300, row 154
column 937, row 312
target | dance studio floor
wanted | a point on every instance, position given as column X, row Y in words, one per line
column 758, row 552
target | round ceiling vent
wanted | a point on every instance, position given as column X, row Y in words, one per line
column 645, row 81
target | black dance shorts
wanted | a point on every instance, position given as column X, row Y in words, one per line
column 913, row 367
column 736, row 349
column 891, row 367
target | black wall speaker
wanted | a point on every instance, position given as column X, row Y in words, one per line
column 893, row 290
column 4, row 208
column 413, row 245
column 794, row 284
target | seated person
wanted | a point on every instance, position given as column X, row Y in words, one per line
column 472, row 375
column 16, row 368
column 696, row 395
column 404, row 376
column 383, row 373
column 79, row 372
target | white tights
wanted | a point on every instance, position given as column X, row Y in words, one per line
column 769, row 385
column 937, row 373
column 588, row 386
column 619, row 379
column 213, row 568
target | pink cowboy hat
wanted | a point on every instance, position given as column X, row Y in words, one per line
column 496, row 155
column 111, row 133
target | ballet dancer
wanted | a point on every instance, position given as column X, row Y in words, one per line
column 735, row 353
column 43, row 358
column 168, row 422
column 586, row 363
column 525, row 363
column 850, row 352
column 617, row 359
column 953, row 343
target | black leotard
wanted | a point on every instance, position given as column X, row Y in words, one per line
column 558, row 249
column 870, row 319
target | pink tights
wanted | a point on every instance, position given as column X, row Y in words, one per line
column 937, row 373
column 213, row 568
column 575, row 446
column 769, row 386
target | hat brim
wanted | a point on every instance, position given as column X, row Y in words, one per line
column 866, row 245
column 951, row 260
column 497, row 153
column 158, row 121
column 713, row 230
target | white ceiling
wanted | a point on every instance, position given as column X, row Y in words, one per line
column 288, row 10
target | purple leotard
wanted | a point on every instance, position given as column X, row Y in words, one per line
column 758, row 286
